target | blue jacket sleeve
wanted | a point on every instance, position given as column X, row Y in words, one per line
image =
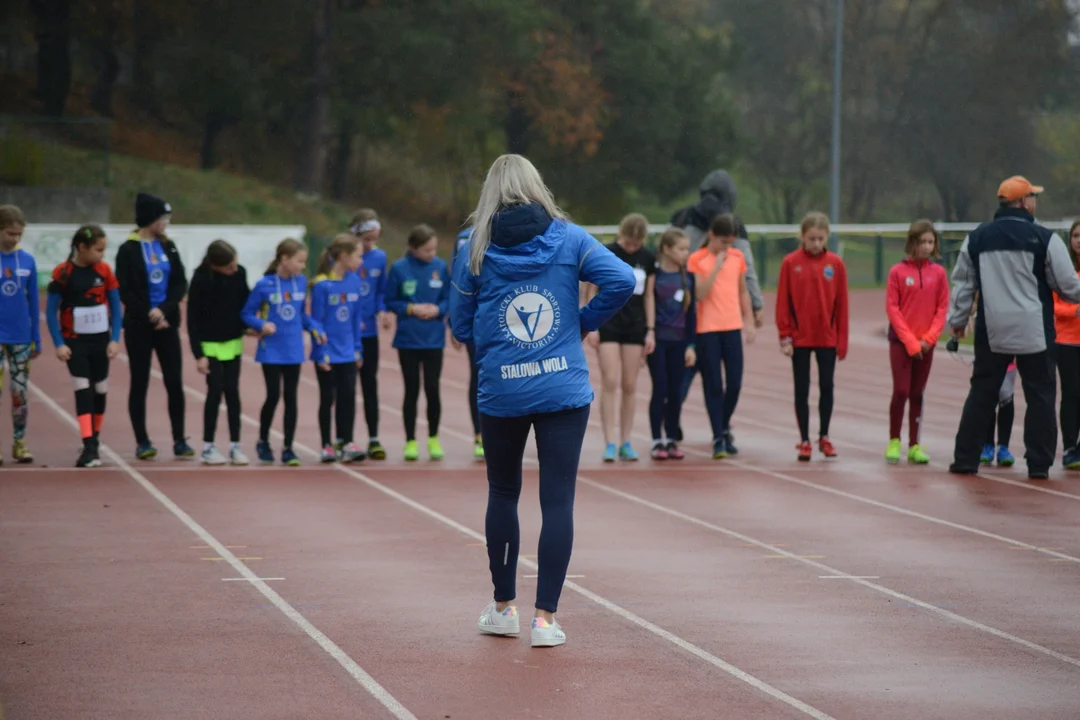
column 444, row 295
column 311, row 325
column 250, row 313
column 34, row 300
column 116, row 314
column 318, row 308
column 394, row 303
column 358, row 326
column 462, row 303
column 380, row 288
column 52, row 319
column 614, row 278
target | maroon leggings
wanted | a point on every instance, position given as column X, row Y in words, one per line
column 909, row 376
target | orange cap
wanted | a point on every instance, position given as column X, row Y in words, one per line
column 1017, row 187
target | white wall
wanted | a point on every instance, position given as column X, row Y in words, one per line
column 255, row 244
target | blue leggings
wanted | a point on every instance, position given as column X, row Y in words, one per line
column 558, row 445
column 667, row 366
column 714, row 348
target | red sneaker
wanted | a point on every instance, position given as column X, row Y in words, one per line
column 805, row 451
column 826, row 447
column 659, row 452
column 674, row 452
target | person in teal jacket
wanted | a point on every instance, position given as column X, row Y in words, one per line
column 336, row 305
column 275, row 309
column 418, row 292
column 516, row 298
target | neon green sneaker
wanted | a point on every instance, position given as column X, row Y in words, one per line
column 916, row 455
column 412, row 452
column 892, row 453
column 21, row 453
column 478, row 449
column 434, row 448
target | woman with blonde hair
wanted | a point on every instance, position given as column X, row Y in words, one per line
column 517, row 299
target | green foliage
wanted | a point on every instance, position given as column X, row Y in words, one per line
column 22, row 160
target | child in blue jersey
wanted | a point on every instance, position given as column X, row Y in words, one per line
column 20, row 326
column 676, row 328
column 275, row 309
column 460, row 253
column 335, row 305
column 418, row 292
column 373, row 315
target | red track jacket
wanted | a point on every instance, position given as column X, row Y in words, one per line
column 812, row 301
column 917, row 302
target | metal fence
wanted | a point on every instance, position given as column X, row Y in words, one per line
column 65, row 152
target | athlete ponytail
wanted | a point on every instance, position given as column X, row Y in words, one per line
column 343, row 244
column 86, row 236
column 287, row 248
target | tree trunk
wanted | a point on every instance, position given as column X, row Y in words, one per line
column 214, row 123
column 142, row 71
column 342, row 159
column 312, row 173
column 108, row 72
column 53, row 34
column 517, row 124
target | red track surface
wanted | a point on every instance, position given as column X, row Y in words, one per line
column 752, row 587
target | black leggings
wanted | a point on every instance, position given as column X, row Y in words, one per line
column 800, row 365
column 411, row 362
column 369, row 385
column 474, row 377
column 1068, row 362
column 142, row 343
column 337, row 386
column 224, row 379
column 89, row 368
column 275, row 376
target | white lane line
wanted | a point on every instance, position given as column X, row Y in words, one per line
column 641, row 622
column 849, row 577
column 244, row 579
column 832, row 571
column 358, row 673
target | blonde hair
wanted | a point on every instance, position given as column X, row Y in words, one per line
column 814, row 221
column 11, row 215
column 343, row 244
column 512, row 180
column 634, row 225
column 668, row 239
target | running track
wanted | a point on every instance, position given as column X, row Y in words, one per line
column 752, row 587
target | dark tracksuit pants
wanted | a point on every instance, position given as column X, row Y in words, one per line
column 1037, row 378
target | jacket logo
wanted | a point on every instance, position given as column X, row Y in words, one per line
column 287, row 312
column 829, row 272
column 909, row 281
column 342, row 313
column 529, row 317
column 9, row 288
column 408, row 287
column 157, row 275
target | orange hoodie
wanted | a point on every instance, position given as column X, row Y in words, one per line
column 917, row 303
column 1066, row 323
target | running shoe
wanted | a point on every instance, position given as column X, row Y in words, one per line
column 145, row 451
column 435, row 451
column 412, row 451
column 89, row 457
column 351, row 452
column 264, row 452
column 805, row 450
column 826, row 447
column 673, row 451
column 237, row 456
column 478, row 449
column 917, row 456
column 21, row 453
column 181, row 449
column 211, row 456
column 729, row 443
column 626, row 452
column 892, row 452
column 547, row 634
column 1004, row 457
column 1, row 459
column 328, row 454
column 659, row 452
column 376, row 451
column 493, row 622
column 719, row 449
column 1071, row 460
column 609, row 453
column 987, row 457
column 288, row 457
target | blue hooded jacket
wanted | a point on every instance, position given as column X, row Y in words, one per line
column 522, row 314
column 280, row 301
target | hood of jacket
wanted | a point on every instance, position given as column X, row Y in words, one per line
column 524, row 240
column 718, row 196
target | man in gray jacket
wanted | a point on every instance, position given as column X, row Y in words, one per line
column 1011, row 265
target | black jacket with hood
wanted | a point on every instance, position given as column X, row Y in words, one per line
column 135, row 284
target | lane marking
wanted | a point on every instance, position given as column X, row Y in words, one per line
column 849, row 577
column 974, row 624
column 630, row 617
column 207, row 547
column 244, row 579
column 817, row 557
column 216, row 559
column 350, row 666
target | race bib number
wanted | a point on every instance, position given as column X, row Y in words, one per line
column 90, row 320
column 679, row 295
column 639, row 286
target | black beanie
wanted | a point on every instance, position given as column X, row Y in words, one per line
column 148, row 209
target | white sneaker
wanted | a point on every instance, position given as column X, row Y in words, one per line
column 545, row 634
column 211, row 456
column 494, row 622
column 237, row 457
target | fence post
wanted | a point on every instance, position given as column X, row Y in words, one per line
column 762, row 260
column 879, row 260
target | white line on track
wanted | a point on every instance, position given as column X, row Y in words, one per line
column 832, row 571
column 358, row 673
column 622, row 612
column 244, row 579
